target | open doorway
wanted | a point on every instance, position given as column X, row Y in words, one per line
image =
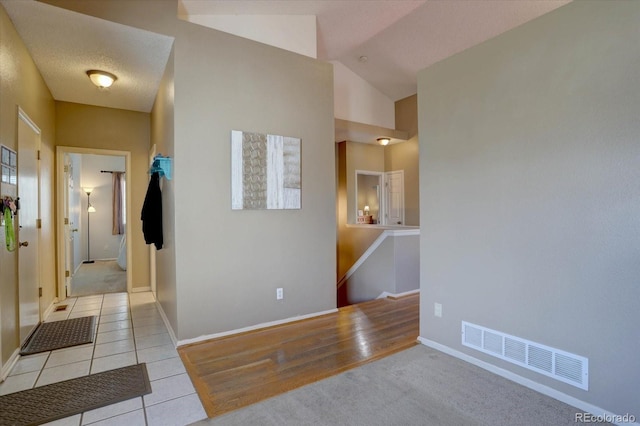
column 93, row 202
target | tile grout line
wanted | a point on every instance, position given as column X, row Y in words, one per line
column 142, row 401
column 50, row 352
column 173, row 399
column 93, row 352
column 135, row 349
column 41, row 370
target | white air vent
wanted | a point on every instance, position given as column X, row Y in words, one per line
column 555, row 363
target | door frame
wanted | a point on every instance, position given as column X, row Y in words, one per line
column 67, row 232
column 60, row 182
column 387, row 190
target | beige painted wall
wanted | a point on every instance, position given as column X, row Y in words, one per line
column 229, row 263
column 530, row 196
column 21, row 85
column 162, row 135
column 86, row 126
column 405, row 156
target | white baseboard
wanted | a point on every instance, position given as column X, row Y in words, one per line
column 543, row 389
column 50, row 309
column 253, row 327
column 140, row 289
column 386, row 294
column 6, row 368
column 167, row 324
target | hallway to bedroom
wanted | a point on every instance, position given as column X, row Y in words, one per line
column 93, row 202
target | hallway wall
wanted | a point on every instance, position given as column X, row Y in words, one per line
column 163, row 136
column 352, row 242
column 22, row 85
column 86, row 126
column 405, row 156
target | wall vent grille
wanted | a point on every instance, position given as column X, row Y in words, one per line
column 560, row 365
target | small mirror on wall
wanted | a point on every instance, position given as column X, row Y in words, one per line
column 369, row 197
column 379, row 198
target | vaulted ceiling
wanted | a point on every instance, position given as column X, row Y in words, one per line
column 398, row 38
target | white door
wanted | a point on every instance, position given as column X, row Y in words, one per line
column 27, row 218
column 394, row 184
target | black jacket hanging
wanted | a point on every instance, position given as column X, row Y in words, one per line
column 152, row 213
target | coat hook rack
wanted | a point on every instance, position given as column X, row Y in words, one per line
column 162, row 166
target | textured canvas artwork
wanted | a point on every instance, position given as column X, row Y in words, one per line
column 265, row 171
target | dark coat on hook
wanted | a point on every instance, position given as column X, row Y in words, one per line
column 152, row 213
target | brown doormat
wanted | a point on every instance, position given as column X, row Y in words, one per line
column 58, row 400
column 60, row 334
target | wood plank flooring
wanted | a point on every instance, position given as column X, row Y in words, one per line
column 235, row 371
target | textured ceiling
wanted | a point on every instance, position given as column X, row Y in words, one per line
column 399, row 38
column 65, row 44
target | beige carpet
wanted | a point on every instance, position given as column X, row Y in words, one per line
column 103, row 276
column 419, row 386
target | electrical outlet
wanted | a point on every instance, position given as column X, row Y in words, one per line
column 279, row 293
column 437, row 309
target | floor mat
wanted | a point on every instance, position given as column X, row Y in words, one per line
column 60, row 334
column 58, row 400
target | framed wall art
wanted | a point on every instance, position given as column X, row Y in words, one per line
column 265, row 171
column 8, row 166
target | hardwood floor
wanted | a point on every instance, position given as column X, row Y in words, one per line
column 234, row 371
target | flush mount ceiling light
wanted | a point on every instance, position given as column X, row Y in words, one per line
column 102, row 79
column 384, row 141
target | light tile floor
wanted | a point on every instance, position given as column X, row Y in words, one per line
column 130, row 331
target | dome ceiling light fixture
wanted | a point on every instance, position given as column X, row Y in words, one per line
column 102, row 79
column 384, row 141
